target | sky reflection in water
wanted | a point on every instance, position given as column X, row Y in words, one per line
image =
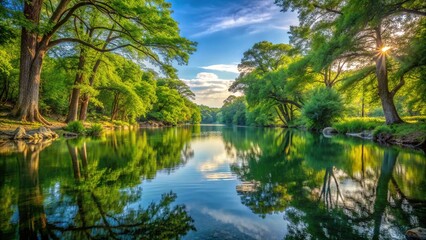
column 228, row 183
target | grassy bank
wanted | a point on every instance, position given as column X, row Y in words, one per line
column 412, row 132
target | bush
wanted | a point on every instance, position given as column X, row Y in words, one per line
column 75, row 127
column 322, row 108
column 95, row 130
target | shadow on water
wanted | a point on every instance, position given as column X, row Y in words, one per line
column 336, row 188
column 89, row 193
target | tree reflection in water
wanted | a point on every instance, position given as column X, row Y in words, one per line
column 100, row 197
column 335, row 188
column 32, row 217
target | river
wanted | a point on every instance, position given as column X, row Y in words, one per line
column 210, row 182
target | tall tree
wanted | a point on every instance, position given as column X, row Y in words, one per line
column 139, row 23
column 264, row 80
column 363, row 31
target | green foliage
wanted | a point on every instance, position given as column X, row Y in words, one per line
column 196, row 117
column 411, row 132
column 382, row 129
column 75, row 127
column 261, row 115
column 322, row 108
column 357, row 124
column 98, row 34
column 9, row 73
column 95, row 130
column 120, row 123
column 415, row 132
column 329, row 36
column 234, row 112
column 58, row 76
column 168, row 107
column 266, row 81
column 208, row 114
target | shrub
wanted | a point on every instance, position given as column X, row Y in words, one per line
column 95, row 130
column 322, row 108
column 75, row 127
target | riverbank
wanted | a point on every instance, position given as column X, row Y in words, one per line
column 411, row 133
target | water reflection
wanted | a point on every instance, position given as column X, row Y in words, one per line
column 32, row 216
column 328, row 188
column 99, row 196
column 279, row 184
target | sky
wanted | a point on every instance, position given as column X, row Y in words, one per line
column 224, row 30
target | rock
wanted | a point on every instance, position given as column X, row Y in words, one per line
column 416, row 234
column 151, row 124
column 363, row 134
column 37, row 136
column 19, row 133
column 329, row 131
column 46, row 133
column 28, row 137
column 70, row 134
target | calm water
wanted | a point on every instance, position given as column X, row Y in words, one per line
column 210, row 182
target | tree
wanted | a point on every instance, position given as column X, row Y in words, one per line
column 208, row 114
column 362, row 31
column 234, row 111
column 169, row 106
column 265, row 80
column 138, row 23
column 125, row 91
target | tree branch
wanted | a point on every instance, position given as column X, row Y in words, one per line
column 76, row 40
column 284, row 101
column 397, row 87
column 327, row 9
column 417, row 12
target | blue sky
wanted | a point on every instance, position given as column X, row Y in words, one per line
column 224, row 30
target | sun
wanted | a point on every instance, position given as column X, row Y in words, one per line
column 384, row 49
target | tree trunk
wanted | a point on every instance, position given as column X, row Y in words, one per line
column 115, row 107
column 280, row 114
column 386, row 97
column 83, row 108
column 75, row 95
column 86, row 97
column 31, row 60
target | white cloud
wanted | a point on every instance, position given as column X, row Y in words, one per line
column 257, row 16
column 206, row 76
column 245, row 225
column 209, row 89
column 233, row 68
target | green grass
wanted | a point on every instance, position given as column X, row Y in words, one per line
column 357, row 124
column 401, row 130
column 413, row 130
column 414, row 119
column 95, row 130
column 120, row 123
